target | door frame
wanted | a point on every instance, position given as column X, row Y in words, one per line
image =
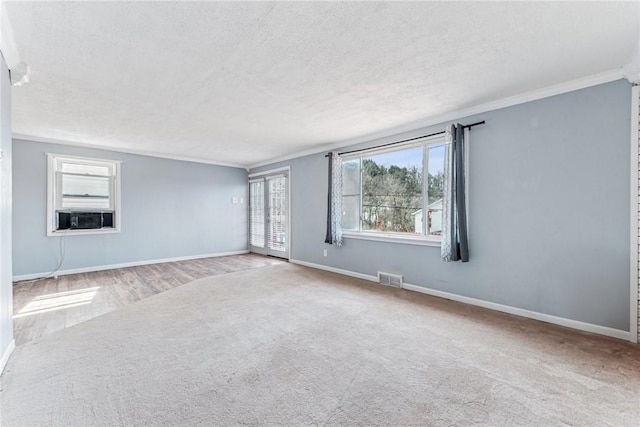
column 265, row 174
column 634, row 264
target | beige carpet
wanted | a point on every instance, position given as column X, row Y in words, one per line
column 292, row 345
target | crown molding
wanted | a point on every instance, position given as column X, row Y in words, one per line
column 33, row 138
column 570, row 86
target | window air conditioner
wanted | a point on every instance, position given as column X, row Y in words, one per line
column 71, row 220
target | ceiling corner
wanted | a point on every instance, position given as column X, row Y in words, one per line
column 631, row 71
column 7, row 41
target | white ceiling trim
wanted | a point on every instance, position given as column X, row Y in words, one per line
column 127, row 151
column 570, row 86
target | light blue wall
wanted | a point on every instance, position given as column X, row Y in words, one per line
column 170, row 209
column 548, row 204
column 6, row 285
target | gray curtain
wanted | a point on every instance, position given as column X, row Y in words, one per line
column 334, row 201
column 455, row 245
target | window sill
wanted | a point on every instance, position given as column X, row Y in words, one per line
column 84, row 232
column 393, row 238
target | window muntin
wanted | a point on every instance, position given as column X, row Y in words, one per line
column 78, row 184
column 384, row 191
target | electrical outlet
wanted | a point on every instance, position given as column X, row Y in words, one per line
column 324, row 252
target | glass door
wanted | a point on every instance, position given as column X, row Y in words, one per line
column 269, row 215
column 257, row 222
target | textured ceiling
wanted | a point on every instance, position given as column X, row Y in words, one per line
column 242, row 83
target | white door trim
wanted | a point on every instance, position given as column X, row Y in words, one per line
column 264, row 174
column 634, row 222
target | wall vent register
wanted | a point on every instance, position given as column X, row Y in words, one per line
column 388, row 279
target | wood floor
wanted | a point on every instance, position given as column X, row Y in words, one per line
column 45, row 306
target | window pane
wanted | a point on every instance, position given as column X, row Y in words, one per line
column 350, row 212
column 256, row 214
column 392, row 191
column 87, row 186
column 351, row 177
column 85, row 169
column 277, row 214
column 435, row 186
column 84, row 203
column 351, row 194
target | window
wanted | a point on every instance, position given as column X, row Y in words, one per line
column 83, row 195
column 385, row 193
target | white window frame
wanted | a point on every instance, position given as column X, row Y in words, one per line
column 421, row 240
column 52, row 195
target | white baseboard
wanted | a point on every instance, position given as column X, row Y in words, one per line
column 574, row 324
column 6, row 355
column 561, row 321
column 335, row 270
column 124, row 265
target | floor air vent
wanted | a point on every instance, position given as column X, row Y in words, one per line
column 389, row 279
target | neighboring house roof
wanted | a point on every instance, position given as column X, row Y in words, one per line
column 435, row 206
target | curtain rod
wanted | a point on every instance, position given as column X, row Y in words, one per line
column 406, row 140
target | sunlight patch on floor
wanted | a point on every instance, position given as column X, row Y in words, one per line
column 58, row 301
